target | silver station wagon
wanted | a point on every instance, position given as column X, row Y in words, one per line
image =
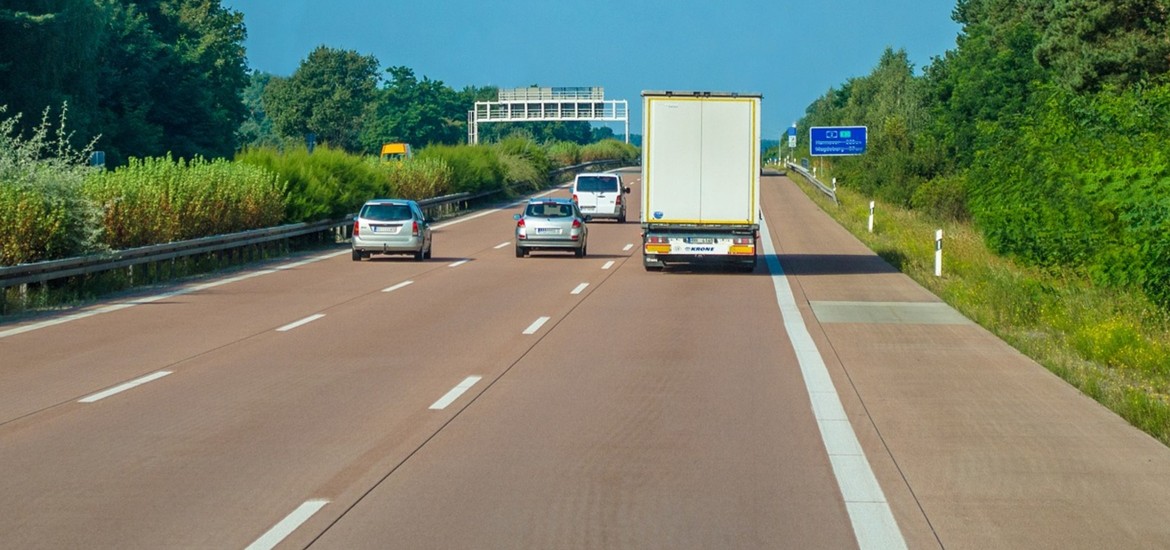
column 391, row 226
column 551, row 224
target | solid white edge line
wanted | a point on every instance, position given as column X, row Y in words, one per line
column 282, row 530
column 149, row 299
column 535, row 326
column 123, row 387
column 403, row 284
column 869, row 512
column 580, row 288
column 304, row 321
column 459, row 263
column 455, row 393
column 608, row 265
column 502, row 245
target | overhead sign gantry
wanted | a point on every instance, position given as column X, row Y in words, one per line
column 541, row 104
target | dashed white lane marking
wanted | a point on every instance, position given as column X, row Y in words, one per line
column 628, row 247
column 455, row 393
column 608, row 265
column 302, row 322
column 282, row 530
column 535, row 326
column 149, row 299
column 869, row 512
column 459, row 263
column 403, row 284
column 580, row 288
column 502, row 245
column 123, row 387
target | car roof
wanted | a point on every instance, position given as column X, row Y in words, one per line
column 389, row 201
column 550, row 199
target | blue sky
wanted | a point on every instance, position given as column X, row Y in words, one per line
column 791, row 51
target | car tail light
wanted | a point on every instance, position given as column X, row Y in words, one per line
column 520, row 222
column 414, row 229
column 576, row 224
column 618, row 201
column 575, row 201
column 357, row 228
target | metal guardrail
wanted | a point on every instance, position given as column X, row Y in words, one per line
column 827, row 190
column 41, row 272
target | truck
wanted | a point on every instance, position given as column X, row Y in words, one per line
column 700, row 178
column 395, row 151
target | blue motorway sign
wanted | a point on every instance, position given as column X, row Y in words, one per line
column 827, row 141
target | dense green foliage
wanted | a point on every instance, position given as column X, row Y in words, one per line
column 1046, row 125
column 325, row 184
column 326, row 96
column 43, row 213
column 147, row 77
column 161, row 200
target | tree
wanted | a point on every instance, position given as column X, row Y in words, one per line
column 1090, row 43
column 257, row 129
column 328, row 95
column 419, row 112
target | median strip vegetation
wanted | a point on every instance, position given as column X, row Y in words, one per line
column 1110, row 343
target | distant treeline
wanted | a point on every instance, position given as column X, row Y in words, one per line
column 170, row 77
column 1047, row 126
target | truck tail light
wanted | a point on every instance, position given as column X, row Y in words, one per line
column 618, row 201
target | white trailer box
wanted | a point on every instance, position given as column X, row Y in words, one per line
column 700, row 177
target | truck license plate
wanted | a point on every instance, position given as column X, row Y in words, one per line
column 700, row 240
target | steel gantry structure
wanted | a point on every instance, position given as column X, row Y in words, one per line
column 541, row 104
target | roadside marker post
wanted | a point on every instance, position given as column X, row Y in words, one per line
column 938, row 253
column 871, row 205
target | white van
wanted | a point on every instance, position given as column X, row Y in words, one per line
column 600, row 196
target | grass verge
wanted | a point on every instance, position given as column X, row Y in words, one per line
column 1113, row 345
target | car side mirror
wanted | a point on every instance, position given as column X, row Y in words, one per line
column 626, row 190
column 516, row 217
column 429, row 220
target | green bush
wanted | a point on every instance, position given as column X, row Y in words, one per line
column 532, row 154
column 158, row 200
column 609, row 149
column 325, row 184
column 944, row 198
column 475, row 168
column 564, row 153
column 419, row 178
column 43, row 213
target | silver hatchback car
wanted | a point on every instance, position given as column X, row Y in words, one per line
column 391, row 226
column 551, row 224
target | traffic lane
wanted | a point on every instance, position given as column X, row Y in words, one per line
column 54, row 365
column 666, row 411
column 215, row 453
column 991, row 449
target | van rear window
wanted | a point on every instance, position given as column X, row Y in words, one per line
column 386, row 212
column 597, row 184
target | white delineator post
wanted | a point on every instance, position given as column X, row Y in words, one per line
column 871, row 204
column 938, row 253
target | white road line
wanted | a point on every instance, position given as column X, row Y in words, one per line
column 608, row 265
column 403, row 284
column 455, row 392
column 580, row 288
column 123, row 387
column 502, row 245
column 149, row 299
column 304, row 321
column 282, row 530
column 535, row 326
column 628, row 247
column 869, row 512
column 459, row 263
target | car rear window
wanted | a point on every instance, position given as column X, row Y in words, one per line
column 549, row 210
column 597, row 184
column 386, row 212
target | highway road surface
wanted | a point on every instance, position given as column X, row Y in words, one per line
column 479, row 400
